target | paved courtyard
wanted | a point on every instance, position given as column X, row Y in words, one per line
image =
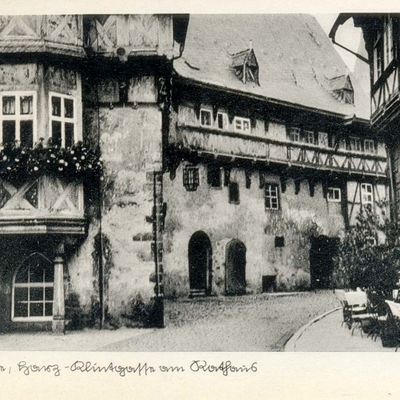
column 247, row 323
column 327, row 334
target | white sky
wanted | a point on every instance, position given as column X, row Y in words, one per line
column 347, row 35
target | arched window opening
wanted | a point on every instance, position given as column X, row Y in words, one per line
column 33, row 290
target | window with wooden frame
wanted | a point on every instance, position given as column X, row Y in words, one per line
column 222, row 120
column 369, row 146
column 214, row 176
column 32, row 297
column 355, row 144
column 367, row 194
column 294, row 134
column 18, row 118
column 323, row 139
column 63, row 120
column 205, row 117
column 241, row 124
column 271, row 196
column 334, row 195
column 191, row 178
column 378, row 56
column 310, row 137
column 233, row 189
column 388, row 42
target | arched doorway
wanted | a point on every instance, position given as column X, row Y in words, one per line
column 200, row 264
column 322, row 252
column 235, row 268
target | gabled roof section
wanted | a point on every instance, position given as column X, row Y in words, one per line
column 296, row 60
column 245, row 66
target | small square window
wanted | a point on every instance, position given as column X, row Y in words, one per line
column 271, row 196
column 279, row 241
column 334, row 195
column 233, row 193
column 310, row 137
column 222, row 120
column 205, row 117
column 294, row 134
column 241, row 124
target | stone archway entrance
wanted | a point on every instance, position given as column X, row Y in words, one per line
column 200, row 264
column 235, row 268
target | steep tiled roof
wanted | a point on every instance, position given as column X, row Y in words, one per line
column 296, row 59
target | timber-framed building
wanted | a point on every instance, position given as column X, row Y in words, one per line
column 220, row 155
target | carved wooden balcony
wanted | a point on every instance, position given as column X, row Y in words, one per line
column 127, row 35
column 57, row 34
column 42, row 205
column 233, row 145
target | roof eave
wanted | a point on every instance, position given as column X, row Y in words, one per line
column 269, row 99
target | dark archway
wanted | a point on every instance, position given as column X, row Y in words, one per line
column 235, row 268
column 323, row 250
column 200, row 264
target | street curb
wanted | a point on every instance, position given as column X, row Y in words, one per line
column 291, row 343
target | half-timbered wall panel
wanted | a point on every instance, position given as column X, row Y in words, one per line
column 61, row 34
column 143, row 34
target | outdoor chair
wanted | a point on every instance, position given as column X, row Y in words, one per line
column 358, row 308
column 394, row 320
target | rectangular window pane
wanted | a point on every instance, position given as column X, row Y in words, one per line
column 56, row 106
column 36, row 309
column 56, row 132
column 26, row 104
column 8, row 133
column 26, row 132
column 68, row 108
column 21, row 294
column 69, row 134
column 48, row 309
column 49, row 274
column 49, row 293
column 21, row 310
column 9, row 105
column 36, row 294
column 220, row 119
column 205, row 117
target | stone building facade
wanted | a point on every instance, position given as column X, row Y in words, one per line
column 227, row 168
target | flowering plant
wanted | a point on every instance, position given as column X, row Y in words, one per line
column 74, row 162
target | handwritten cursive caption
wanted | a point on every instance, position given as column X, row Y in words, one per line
column 223, row 368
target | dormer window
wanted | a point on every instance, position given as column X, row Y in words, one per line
column 342, row 89
column 245, row 66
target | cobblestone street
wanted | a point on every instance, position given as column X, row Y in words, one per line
column 247, row 323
